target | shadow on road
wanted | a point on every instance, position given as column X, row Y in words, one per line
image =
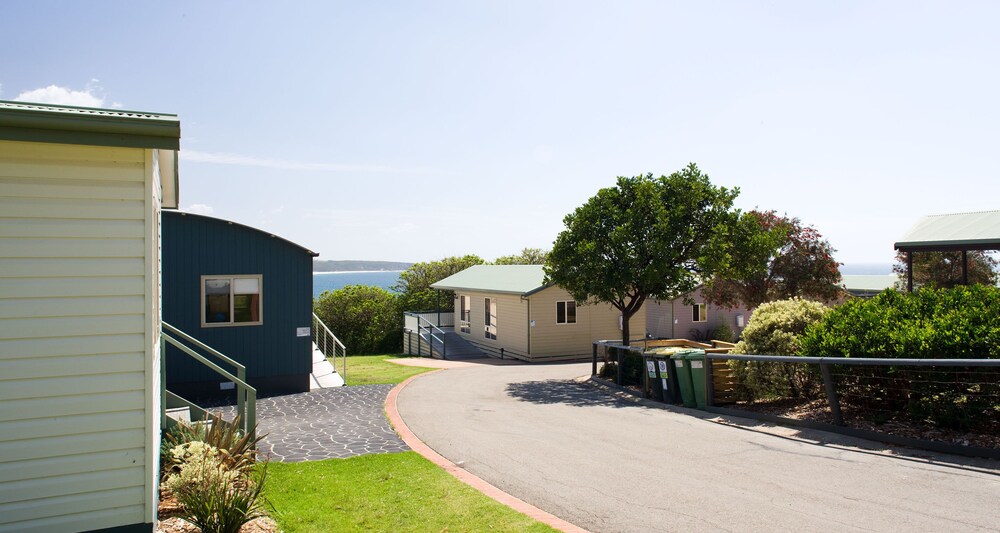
column 567, row 392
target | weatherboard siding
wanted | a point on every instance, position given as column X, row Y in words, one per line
column 593, row 322
column 512, row 323
column 78, row 337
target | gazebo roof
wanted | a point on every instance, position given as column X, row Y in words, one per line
column 957, row 231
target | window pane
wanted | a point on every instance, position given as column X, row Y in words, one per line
column 571, row 312
column 217, row 301
column 560, row 312
column 246, row 286
column 246, row 308
column 694, row 314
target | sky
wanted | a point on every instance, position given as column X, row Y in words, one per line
column 412, row 131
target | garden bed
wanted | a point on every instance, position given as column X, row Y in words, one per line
column 985, row 436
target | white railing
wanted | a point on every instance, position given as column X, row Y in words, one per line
column 422, row 324
column 330, row 345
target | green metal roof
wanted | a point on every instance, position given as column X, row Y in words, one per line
column 958, row 231
column 508, row 279
column 24, row 121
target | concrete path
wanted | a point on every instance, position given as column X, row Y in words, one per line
column 325, row 423
column 611, row 464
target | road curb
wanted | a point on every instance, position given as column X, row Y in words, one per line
column 463, row 475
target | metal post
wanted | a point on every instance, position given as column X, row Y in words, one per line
column 420, row 349
column 831, row 395
column 909, row 271
column 439, row 307
column 965, row 268
column 618, row 377
column 593, row 365
column 709, row 382
column 501, row 354
column 163, row 382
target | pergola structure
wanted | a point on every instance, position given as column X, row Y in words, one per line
column 957, row 232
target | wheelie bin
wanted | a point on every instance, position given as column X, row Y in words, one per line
column 682, row 367
column 696, row 362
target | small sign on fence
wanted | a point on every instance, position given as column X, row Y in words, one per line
column 302, row 332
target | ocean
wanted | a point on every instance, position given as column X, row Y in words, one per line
column 331, row 281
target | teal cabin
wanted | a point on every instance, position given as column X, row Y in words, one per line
column 242, row 291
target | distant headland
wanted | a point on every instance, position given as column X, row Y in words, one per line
column 358, row 266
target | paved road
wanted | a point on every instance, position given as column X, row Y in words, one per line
column 607, row 464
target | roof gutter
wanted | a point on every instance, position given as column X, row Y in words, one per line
column 20, row 121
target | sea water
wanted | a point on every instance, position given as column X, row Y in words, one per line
column 331, row 281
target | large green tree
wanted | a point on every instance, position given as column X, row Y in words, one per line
column 365, row 318
column 943, row 270
column 644, row 238
column 528, row 256
column 775, row 258
column 414, row 286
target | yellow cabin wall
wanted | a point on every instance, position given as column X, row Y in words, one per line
column 79, row 323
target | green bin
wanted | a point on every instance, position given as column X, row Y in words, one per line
column 669, row 385
column 695, row 360
column 682, row 368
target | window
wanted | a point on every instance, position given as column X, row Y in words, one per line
column 231, row 301
column 699, row 313
column 465, row 314
column 566, row 312
column 491, row 318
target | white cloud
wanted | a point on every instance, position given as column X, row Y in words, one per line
column 198, row 209
column 194, row 156
column 54, row 94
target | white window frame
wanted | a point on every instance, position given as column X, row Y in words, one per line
column 565, row 304
column 465, row 313
column 702, row 311
column 490, row 320
column 232, row 301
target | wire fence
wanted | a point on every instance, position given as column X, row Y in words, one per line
column 954, row 400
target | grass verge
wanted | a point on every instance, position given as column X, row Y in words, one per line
column 375, row 370
column 383, row 492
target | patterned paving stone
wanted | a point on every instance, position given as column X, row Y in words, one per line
column 325, row 423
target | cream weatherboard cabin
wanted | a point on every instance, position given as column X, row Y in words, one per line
column 510, row 307
column 80, row 198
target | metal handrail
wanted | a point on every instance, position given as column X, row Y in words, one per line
column 324, row 338
column 246, row 396
column 431, row 337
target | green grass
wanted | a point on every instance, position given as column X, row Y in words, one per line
column 374, row 370
column 383, row 492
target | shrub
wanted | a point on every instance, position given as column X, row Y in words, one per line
column 946, row 323
column 722, row 333
column 632, row 367
column 775, row 329
column 212, row 471
column 367, row 319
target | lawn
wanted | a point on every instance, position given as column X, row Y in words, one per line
column 383, row 492
column 374, row 369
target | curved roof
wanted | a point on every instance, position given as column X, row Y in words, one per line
column 251, row 228
column 956, row 231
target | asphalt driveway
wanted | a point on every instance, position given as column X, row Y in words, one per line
column 609, row 464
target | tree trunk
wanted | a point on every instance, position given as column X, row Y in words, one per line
column 625, row 335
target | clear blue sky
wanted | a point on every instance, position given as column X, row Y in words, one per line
column 418, row 130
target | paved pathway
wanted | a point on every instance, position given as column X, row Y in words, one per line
column 609, row 464
column 326, row 423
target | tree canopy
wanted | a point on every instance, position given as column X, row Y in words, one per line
column 364, row 317
column 414, row 286
column 943, row 270
column 644, row 238
column 528, row 256
column 775, row 258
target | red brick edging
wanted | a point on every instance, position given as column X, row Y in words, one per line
column 463, row 475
